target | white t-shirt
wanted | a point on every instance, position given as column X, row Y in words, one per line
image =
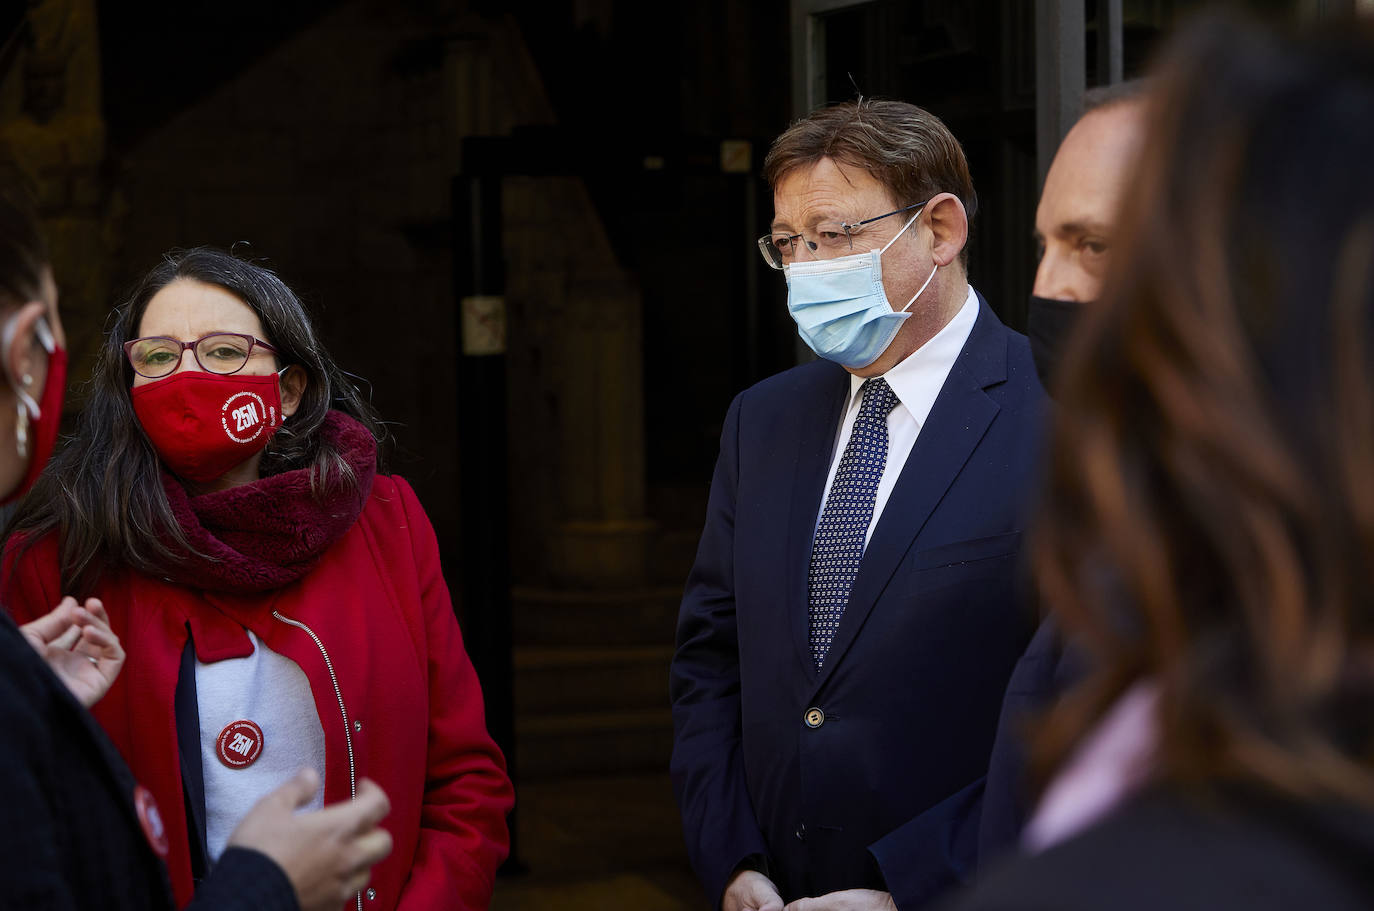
column 272, row 693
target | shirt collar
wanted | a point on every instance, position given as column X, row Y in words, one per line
column 917, row 379
column 1112, row 762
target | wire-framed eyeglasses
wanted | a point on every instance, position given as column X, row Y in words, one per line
column 219, row 352
column 827, row 238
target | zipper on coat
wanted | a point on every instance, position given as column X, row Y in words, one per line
column 338, row 694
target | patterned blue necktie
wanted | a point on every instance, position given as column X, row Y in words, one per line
column 839, row 543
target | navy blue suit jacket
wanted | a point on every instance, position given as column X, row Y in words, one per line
column 914, row 678
column 1045, row 672
column 983, row 822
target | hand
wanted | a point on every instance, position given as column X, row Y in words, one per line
column 750, row 890
column 848, row 900
column 327, row 854
column 79, row 646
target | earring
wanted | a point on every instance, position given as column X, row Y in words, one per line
column 21, row 431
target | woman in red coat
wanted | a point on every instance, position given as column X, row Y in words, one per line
column 280, row 601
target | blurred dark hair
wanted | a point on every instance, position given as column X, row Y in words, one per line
column 908, row 150
column 103, row 492
column 1209, row 517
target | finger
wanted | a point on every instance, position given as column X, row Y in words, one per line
column 52, row 624
column 354, row 817
column 83, row 618
column 364, row 852
column 101, row 640
column 371, row 848
column 354, row 884
column 297, row 790
column 70, row 636
column 372, row 804
column 96, row 608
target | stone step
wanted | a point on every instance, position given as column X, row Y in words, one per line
column 554, row 679
column 596, row 831
column 593, row 742
column 554, row 617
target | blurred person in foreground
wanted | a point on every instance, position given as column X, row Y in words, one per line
column 79, row 831
column 1208, row 530
column 279, row 597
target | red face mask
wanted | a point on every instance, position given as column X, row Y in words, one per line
column 203, row 424
column 38, row 435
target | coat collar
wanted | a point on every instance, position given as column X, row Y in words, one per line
column 260, row 536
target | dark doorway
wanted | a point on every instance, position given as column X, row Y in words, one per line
column 973, row 66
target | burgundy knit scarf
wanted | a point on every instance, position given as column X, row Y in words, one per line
column 260, row 536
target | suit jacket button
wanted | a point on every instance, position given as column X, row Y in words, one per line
column 813, row 718
column 801, row 831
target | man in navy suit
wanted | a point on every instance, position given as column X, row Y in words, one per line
column 848, row 628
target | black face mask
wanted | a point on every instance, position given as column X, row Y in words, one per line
column 1049, row 323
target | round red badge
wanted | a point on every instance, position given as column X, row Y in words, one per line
column 151, row 820
column 239, row 744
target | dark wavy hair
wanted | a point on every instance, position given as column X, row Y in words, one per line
column 1209, row 517
column 102, row 493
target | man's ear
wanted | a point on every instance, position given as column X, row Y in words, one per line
column 948, row 226
column 25, row 361
column 293, row 382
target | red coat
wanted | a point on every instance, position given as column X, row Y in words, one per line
column 405, row 689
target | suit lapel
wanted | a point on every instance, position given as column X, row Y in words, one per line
column 961, row 415
column 816, row 445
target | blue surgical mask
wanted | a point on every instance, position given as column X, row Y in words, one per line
column 840, row 308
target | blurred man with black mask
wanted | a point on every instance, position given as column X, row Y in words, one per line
column 1074, row 222
column 1074, row 227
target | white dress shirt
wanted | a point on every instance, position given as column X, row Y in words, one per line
column 916, row 381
